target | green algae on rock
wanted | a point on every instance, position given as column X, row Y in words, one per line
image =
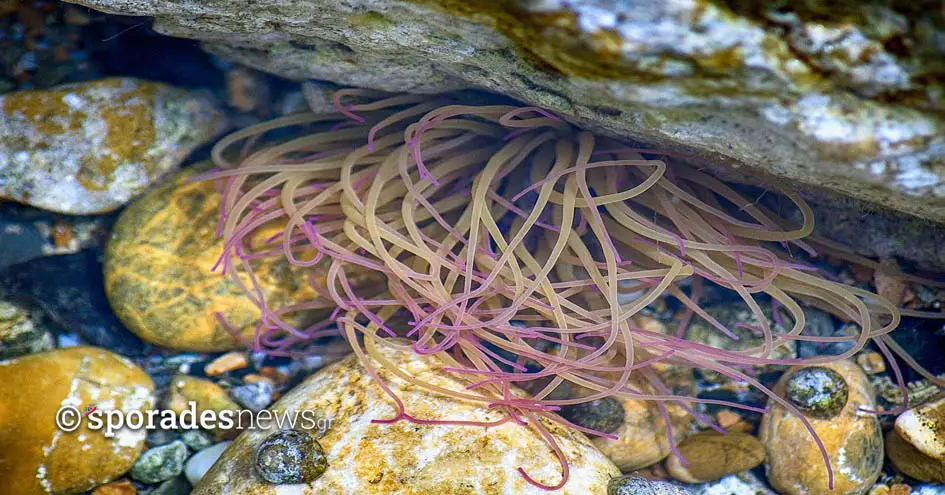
column 90, row 147
column 818, row 391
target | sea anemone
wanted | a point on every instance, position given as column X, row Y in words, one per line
column 521, row 251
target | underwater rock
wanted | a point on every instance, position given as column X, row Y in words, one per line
column 712, row 456
column 35, row 456
column 745, row 482
column 403, row 457
column 634, row 484
column 852, row 438
column 909, row 460
column 159, row 278
column 196, row 440
column 254, row 396
column 916, row 446
column 90, row 147
column 159, row 464
column 70, row 292
column 837, row 95
column 22, row 331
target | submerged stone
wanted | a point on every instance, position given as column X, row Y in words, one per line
column 604, row 415
column 90, row 147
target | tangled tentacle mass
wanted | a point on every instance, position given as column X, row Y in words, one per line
column 518, row 249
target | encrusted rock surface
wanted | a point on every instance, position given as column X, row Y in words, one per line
column 840, row 95
column 90, row 147
column 407, row 458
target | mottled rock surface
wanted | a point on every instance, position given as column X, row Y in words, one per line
column 400, row 458
column 159, row 278
column 36, row 458
column 90, row 147
column 838, row 95
column 852, row 438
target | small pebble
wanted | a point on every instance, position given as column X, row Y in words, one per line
column 871, row 362
column 196, row 440
column 254, row 378
column 200, row 463
column 290, row 456
column 605, row 414
column 253, row 396
column 160, row 463
column 227, row 362
column 634, row 484
column 122, row 487
column 900, row 489
column 819, row 391
column 916, row 446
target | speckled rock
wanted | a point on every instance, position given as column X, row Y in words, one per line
column 746, row 483
column 160, row 463
column 22, row 331
column 916, row 446
column 159, row 278
column 832, row 94
column 818, row 391
column 90, row 147
column 36, row 457
column 634, row 484
column 400, row 458
column 853, row 441
column 712, row 456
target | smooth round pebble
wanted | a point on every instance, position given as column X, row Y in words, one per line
column 200, row 463
column 254, row 396
column 290, row 456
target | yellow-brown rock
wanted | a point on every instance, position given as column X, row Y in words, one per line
column 911, row 461
column 916, row 446
column 158, row 275
column 37, row 458
column 852, row 438
column 403, row 458
column 712, row 456
column 90, row 147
